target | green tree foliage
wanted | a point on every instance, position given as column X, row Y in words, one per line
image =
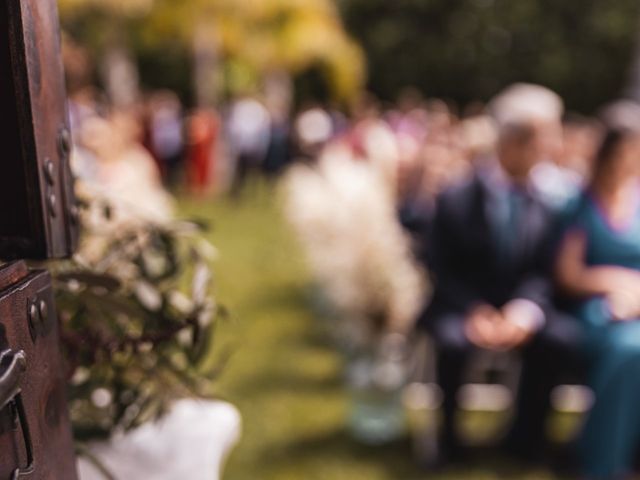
column 138, row 320
column 469, row 49
column 251, row 38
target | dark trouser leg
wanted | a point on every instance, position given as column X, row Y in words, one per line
column 453, row 350
column 611, row 433
column 551, row 355
column 240, row 175
column 451, row 365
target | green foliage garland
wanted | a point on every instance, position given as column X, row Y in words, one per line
column 137, row 323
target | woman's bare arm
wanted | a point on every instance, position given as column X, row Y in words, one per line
column 574, row 277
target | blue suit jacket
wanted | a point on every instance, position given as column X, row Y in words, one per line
column 465, row 257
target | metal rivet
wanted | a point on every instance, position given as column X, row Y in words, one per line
column 52, row 201
column 43, row 310
column 64, row 142
column 34, row 319
column 74, row 213
column 33, row 311
column 49, row 171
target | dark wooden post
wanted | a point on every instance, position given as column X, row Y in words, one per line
column 38, row 220
column 38, row 215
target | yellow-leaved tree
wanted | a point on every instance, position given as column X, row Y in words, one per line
column 253, row 40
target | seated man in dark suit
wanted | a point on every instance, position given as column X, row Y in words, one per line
column 488, row 252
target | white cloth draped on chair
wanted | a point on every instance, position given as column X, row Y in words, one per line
column 192, row 441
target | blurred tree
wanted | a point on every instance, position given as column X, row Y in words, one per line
column 633, row 87
column 101, row 27
column 236, row 46
column 468, row 49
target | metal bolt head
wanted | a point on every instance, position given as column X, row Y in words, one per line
column 49, row 171
column 43, row 310
column 74, row 213
column 33, row 314
column 64, row 142
column 52, row 202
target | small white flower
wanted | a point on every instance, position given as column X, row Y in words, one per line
column 101, row 397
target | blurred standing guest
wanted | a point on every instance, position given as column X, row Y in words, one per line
column 166, row 132
column 488, row 251
column 442, row 163
column 279, row 152
column 124, row 173
column 371, row 140
column 478, row 135
column 248, row 129
column 409, row 125
column 339, row 121
column 84, row 106
column 204, row 129
column 313, row 128
column 582, row 137
column 441, row 118
column 599, row 265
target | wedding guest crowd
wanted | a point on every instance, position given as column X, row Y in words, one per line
column 524, row 219
column 527, row 220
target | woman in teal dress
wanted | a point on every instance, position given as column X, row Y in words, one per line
column 598, row 264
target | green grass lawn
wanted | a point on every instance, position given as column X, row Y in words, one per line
column 284, row 374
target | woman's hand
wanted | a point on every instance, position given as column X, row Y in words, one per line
column 622, row 291
column 624, row 304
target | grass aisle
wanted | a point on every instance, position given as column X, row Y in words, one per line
column 284, row 376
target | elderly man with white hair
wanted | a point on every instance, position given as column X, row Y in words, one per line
column 488, row 252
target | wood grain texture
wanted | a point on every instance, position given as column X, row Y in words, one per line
column 38, row 218
column 44, row 384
